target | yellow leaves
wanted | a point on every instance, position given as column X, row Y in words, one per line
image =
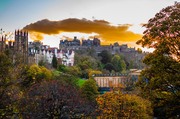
column 46, row 73
column 33, row 71
column 114, row 105
column 92, row 72
column 36, row 72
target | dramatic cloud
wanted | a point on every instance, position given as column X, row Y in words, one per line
column 105, row 30
column 36, row 36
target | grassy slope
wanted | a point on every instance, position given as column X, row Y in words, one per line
column 80, row 81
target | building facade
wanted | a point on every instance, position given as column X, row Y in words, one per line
column 46, row 53
column 18, row 47
column 111, row 80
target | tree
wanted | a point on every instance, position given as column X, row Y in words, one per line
column 160, row 83
column 46, row 74
column 117, row 105
column 163, row 32
column 139, row 50
column 54, row 99
column 90, row 90
column 67, row 78
column 5, row 82
column 42, row 63
column 62, row 68
column 85, row 63
column 118, row 63
column 10, row 93
column 54, row 62
column 74, row 70
column 109, row 67
column 160, row 80
column 93, row 72
column 35, row 74
column 105, row 56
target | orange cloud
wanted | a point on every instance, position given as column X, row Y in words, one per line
column 104, row 29
column 36, row 36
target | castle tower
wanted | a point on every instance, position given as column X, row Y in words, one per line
column 2, row 43
column 21, row 44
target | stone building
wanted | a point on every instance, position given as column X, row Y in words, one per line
column 45, row 53
column 76, row 44
column 106, row 82
column 110, row 80
column 90, row 43
column 66, row 43
column 18, row 47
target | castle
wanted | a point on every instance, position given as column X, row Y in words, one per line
column 75, row 43
column 131, row 55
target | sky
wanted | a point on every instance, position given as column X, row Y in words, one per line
column 52, row 20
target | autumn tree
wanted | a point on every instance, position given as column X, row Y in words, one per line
column 10, row 77
column 91, row 73
column 90, row 90
column 163, row 32
column 54, row 99
column 5, row 82
column 35, row 74
column 114, row 105
column 160, row 80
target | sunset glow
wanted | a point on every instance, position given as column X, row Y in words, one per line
column 118, row 21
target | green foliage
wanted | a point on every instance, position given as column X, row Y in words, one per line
column 159, row 82
column 10, row 78
column 67, row 78
column 109, row 67
column 42, row 63
column 5, row 82
column 81, row 82
column 162, row 84
column 86, row 63
column 62, row 68
column 90, row 90
column 54, row 62
column 56, row 73
column 74, row 70
column 5, row 64
column 131, row 65
column 118, row 63
column 105, row 56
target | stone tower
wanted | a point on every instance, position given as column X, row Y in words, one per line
column 21, row 44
